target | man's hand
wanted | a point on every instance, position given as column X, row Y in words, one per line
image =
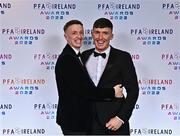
column 114, row 124
column 118, row 91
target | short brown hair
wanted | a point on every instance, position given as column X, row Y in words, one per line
column 72, row 22
column 103, row 23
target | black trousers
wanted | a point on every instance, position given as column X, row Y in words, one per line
column 66, row 131
column 69, row 132
column 99, row 129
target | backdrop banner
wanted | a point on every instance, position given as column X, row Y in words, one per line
column 32, row 37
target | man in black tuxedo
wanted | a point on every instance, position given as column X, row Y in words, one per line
column 75, row 88
column 108, row 66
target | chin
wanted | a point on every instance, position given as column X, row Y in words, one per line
column 80, row 45
column 101, row 48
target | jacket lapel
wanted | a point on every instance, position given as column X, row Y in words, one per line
column 108, row 67
column 69, row 51
column 86, row 55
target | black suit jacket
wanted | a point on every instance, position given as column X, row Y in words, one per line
column 76, row 90
column 119, row 69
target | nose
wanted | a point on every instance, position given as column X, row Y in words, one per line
column 100, row 36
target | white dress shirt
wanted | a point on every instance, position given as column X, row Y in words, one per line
column 96, row 65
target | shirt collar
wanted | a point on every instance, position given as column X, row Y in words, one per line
column 76, row 50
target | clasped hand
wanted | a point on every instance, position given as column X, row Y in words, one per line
column 114, row 124
column 118, row 91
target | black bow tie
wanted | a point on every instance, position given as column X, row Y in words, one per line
column 79, row 54
column 100, row 54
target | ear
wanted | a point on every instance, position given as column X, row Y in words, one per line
column 112, row 36
column 65, row 36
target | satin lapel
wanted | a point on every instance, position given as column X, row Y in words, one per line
column 68, row 50
column 84, row 59
column 108, row 67
column 85, row 56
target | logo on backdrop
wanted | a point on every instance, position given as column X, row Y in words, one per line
column 172, row 110
column 118, row 11
column 172, row 9
column 150, row 131
column 22, row 36
column 4, row 108
column 23, row 131
column 151, row 36
column 135, row 57
column 88, row 40
column 54, row 11
column 47, row 61
column 136, row 107
column 154, row 86
column 172, row 60
column 4, row 7
column 47, row 110
column 24, row 86
column 4, row 58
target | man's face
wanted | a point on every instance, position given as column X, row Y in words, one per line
column 102, row 37
column 74, row 35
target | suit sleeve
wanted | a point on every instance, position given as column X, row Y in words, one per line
column 69, row 71
column 131, row 85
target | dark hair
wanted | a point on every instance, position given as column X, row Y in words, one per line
column 72, row 22
column 103, row 23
